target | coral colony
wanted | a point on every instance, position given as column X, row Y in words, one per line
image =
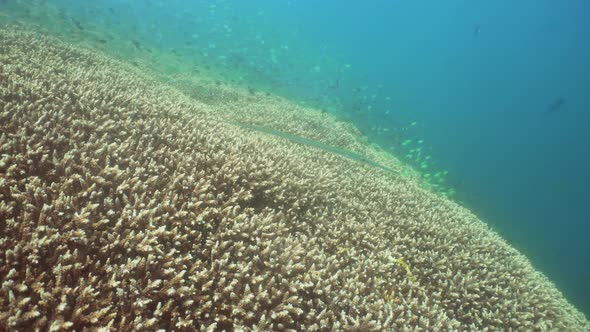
column 126, row 204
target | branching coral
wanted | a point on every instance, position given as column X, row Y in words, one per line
column 125, row 205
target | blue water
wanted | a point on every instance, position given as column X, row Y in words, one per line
column 496, row 93
column 482, row 100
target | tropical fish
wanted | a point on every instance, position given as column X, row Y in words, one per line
column 556, row 106
column 476, row 29
column 77, row 24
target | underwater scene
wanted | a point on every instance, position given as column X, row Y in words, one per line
column 294, row 165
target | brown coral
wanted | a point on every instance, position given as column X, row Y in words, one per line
column 128, row 205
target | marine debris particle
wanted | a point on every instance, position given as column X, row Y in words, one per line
column 406, row 267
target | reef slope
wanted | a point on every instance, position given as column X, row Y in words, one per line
column 129, row 205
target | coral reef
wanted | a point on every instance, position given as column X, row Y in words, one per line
column 127, row 205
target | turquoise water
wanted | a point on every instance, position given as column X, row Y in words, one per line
column 489, row 100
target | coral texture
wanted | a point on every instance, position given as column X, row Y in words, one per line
column 128, row 205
